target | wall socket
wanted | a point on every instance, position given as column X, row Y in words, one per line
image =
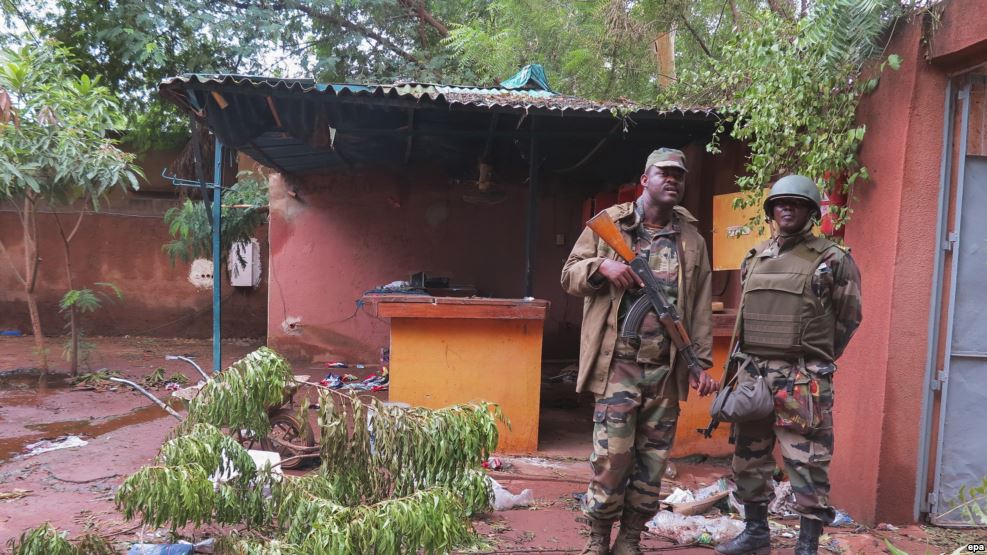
column 559, row 239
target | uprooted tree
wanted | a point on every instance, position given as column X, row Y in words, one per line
column 392, row 479
column 55, row 152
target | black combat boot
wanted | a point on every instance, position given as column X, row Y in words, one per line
column 809, row 531
column 756, row 537
column 599, row 537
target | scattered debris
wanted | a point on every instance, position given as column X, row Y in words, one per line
column 14, row 494
column 842, row 519
column 694, row 529
column 686, row 502
column 505, row 500
column 67, row 442
column 495, row 463
column 670, row 471
column 783, row 504
column 887, row 527
column 336, row 364
column 376, row 382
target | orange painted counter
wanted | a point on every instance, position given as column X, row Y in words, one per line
column 448, row 350
column 695, row 412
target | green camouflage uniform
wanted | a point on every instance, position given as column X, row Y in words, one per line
column 836, row 285
column 635, row 417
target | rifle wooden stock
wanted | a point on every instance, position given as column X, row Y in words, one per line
column 602, row 224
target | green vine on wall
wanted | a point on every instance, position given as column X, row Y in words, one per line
column 789, row 88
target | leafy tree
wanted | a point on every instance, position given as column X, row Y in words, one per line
column 54, row 151
column 789, row 88
column 74, row 303
column 244, row 208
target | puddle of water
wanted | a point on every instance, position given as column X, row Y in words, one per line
column 25, row 386
column 9, row 447
column 30, row 380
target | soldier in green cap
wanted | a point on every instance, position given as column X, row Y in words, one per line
column 638, row 382
column 799, row 309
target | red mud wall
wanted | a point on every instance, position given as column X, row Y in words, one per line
column 343, row 234
column 880, row 384
column 122, row 245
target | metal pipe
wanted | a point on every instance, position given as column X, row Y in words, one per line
column 532, row 217
column 147, row 394
column 217, row 349
column 190, row 361
column 935, row 306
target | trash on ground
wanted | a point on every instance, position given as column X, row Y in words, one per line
column 66, row 442
column 336, row 364
column 181, row 548
column 694, row 529
column 376, row 382
column 670, row 471
column 14, row 494
column 842, row 519
column 783, row 504
column 495, row 463
column 262, row 459
column 160, row 549
column 505, row 500
column 686, row 502
column 886, row 526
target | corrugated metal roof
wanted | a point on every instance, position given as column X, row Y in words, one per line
column 483, row 97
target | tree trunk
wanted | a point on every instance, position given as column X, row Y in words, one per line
column 39, row 338
column 29, row 222
column 73, row 313
column 74, row 354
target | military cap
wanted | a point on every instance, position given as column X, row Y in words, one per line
column 666, row 158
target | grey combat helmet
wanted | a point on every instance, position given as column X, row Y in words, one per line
column 797, row 186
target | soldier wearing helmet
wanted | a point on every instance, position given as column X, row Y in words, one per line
column 800, row 307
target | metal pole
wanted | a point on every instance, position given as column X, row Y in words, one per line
column 935, row 311
column 950, row 312
column 217, row 193
column 530, row 231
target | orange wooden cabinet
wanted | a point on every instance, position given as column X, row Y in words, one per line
column 448, row 350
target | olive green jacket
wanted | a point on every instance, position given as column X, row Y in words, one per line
column 600, row 304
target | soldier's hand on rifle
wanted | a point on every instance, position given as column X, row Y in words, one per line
column 703, row 383
column 619, row 274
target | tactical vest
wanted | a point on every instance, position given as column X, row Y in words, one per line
column 782, row 318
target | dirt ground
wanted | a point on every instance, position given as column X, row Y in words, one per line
column 73, row 488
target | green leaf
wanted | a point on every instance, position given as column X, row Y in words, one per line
column 894, row 61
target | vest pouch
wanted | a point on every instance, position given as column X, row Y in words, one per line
column 797, row 403
column 747, row 397
column 772, row 314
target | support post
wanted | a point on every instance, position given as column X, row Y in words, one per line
column 217, row 197
column 532, row 217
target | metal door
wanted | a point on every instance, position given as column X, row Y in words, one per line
column 960, row 495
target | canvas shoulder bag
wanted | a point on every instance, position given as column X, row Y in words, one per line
column 747, row 400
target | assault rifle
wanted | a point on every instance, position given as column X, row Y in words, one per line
column 604, row 226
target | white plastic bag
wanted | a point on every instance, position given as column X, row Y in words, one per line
column 695, row 529
column 505, row 500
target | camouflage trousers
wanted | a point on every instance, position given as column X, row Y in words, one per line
column 806, row 456
column 633, row 430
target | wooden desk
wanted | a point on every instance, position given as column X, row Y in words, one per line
column 447, row 350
